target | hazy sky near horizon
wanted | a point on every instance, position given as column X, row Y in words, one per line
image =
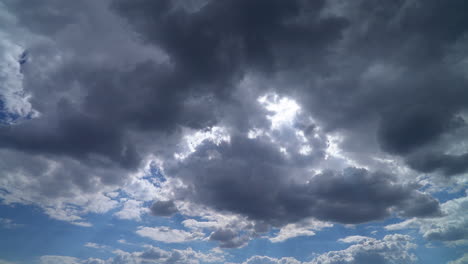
column 233, row 131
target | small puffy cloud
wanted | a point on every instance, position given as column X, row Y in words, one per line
column 354, row 239
column 51, row 259
column 168, row 235
column 8, row 223
column 303, row 228
column 95, row 245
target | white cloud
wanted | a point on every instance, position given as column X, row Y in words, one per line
column 303, row 228
column 168, row 235
column 14, row 98
column 193, row 139
column 132, row 210
column 125, row 242
column 95, row 245
column 50, row 259
column 354, row 239
column 269, row 260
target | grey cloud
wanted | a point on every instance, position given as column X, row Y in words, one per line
column 387, row 81
column 229, row 238
column 164, row 208
column 225, row 35
column 447, row 164
column 451, row 228
column 255, row 179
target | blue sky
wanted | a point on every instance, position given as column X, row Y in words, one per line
column 237, row 132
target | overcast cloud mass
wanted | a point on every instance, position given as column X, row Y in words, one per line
column 233, row 131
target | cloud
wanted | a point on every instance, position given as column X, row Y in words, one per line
column 14, row 101
column 8, row 223
column 253, row 178
column 268, row 260
column 229, row 238
column 164, row 208
column 394, row 248
column 58, row 260
column 168, row 235
column 447, row 164
column 304, row 228
column 132, row 210
column 95, row 245
column 391, row 249
column 354, row 239
column 451, row 228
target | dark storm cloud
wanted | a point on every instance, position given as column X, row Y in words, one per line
column 225, row 38
column 375, row 71
column 254, row 179
column 447, row 164
column 97, row 102
column 150, row 96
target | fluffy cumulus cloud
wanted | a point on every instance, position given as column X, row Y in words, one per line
column 241, row 119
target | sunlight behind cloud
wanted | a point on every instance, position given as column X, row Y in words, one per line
column 283, row 109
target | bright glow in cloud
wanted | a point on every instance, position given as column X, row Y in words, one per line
column 191, row 141
column 283, row 109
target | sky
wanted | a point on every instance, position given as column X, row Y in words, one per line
column 233, row 131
